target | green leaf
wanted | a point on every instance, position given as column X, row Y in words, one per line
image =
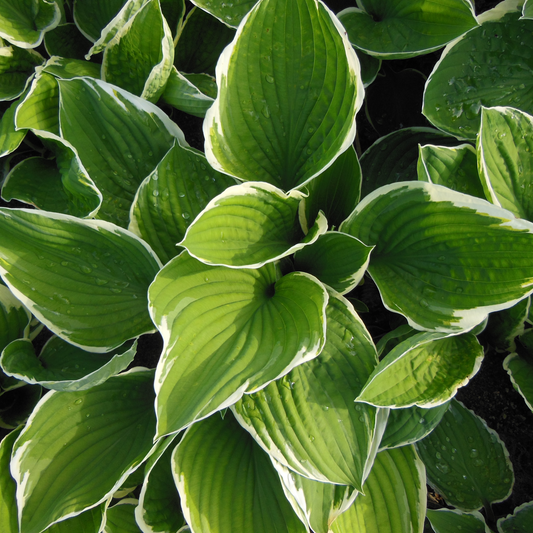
column 425, row 370
column 398, row 29
column 8, row 487
column 520, row 371
column 394, row 157
column 519, row 521
column 185, row 96
column 227, row 483
column 142, row 74
column 316, row 504
column 336, row 259
column 454, row 167
column 16, row 68
column 62, row 366
column 505, row 325
column 201, row 42
column 170, row 198
column 394, row 499
column 527, row 10
column 505, row 161
column 10, row 137
column 66, row 189
column 67, row 41
column 409, row 425
column 14, row 318
column 249, row 225
column 91, row 16
column 466, row 461
column 25, row 24
column 489, row 65
column 284, row 118
column 67, row 69
column 90, row 521
column 93, row 440
column 336, row 191
column 121, row 517
column 74, row 275
column 159, row 509
column 205, row 83
column 448, row 520
column 370, row 67
column 230, row 14
column 17, row 404
column 227, row 332
column 443, row 259
column 39, row 110
column 119, row 138
column 308, row 420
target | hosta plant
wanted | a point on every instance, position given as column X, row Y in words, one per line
column 272, row 405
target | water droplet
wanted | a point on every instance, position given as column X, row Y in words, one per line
column 65, row 263
column 115, row 290
column 459, row 290
column 422, row 421
column 265, row 111
column 311, row 438
column 155, row 193
column 269, row 78
column 185, row 215
column 442, row 258
column 438, row 455
column 99, row 281
column 206, row 279
column 443, row 467
column 325, row 408
column 78, row 401
column 85, row 269
column 424, row 303
column 473, row 453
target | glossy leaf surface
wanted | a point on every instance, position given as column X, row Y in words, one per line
column 93, row 439
column 74, row 275
column 249, row 225
column 425, row 370
column 394, row 499
column 443, row 259
column 228, row 332
column 285, row 118
column 227, row 483
column 447, row 520
column 308, row 420
column 395, row 29
column 466, row 462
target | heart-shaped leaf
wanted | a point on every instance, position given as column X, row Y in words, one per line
column 519, row 521
column 227, row 332
column 395, row 29
column 284, row 117
column 443, row 259
column 73, row 275
column 227, row 483
column 93, row 440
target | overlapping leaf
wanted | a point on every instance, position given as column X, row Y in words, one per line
column 249, row 225
column 142, row 74
column 317, row 504
column 521, row 372
column 230, row 14
column 425, row 370
column 227, row 483
column 25, row 26
column 8, row 487
column 505, row 160
column 466, row 462
column 14, row 318
column 489, row 65
column 519, row 521
column 119, row 138
column 93, row 439
column 395, row 29
column 454, row 167
column 62, row 366
column 443, row 259
column 91, row 16
column 446, row 520
column 308, row 420
column 10, row 137
column 227, row 332
column 170, row 198
column 394, row 499
column 86, row 280
column 284, row 115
